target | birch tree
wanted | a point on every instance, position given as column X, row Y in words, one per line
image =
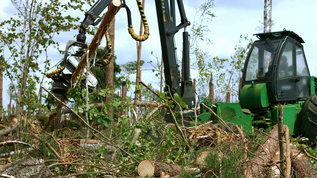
column 267, row 23
column 26, row 38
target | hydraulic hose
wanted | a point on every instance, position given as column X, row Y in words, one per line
column 56, row 71
column 109, row 55
column 146, row 33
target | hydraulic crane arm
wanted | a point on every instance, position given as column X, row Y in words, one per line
column 167, row 26
column 91, row 18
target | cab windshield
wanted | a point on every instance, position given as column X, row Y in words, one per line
column 259, row 64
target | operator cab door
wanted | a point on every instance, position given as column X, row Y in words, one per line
column 292, row 75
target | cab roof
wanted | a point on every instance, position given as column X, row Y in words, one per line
column 279, row 34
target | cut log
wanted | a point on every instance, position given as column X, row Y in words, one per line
column 153, row 168
column 301, row 164
column 267, row 156
column 264, row 155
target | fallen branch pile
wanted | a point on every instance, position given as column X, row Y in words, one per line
column 209, row 135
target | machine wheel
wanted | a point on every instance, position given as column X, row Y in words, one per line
column 308, row 118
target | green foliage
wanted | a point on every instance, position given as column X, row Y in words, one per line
column 131, row 66
column 25, row 39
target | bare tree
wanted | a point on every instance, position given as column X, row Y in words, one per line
column 267, row 24
column 110, row 71
column 1, row 89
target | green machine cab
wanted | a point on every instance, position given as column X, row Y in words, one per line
column 275, row 72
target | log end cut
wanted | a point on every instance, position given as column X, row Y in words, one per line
column 153, row 168
column 146, row 168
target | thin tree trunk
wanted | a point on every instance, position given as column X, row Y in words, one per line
column 124, row 96
column 211, row 89
column 110, row 71
column 10, row 105
column 267, row 24
column 138, row 73
column 1, row 90
column 228, row 97
column 161, row 84
column 281, row 139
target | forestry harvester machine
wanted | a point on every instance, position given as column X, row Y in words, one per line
column 275, row 73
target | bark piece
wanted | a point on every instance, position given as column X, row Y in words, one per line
column 154, row 168
column 26, row 167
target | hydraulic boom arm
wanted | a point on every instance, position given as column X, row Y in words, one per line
column 91, row 18
column 167, row 26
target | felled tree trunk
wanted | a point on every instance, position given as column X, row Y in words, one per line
column 301, row 164
column 264, row 155
column 153, row 168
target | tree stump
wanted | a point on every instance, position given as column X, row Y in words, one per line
column 26, row 167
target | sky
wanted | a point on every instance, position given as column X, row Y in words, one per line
column 233, row 18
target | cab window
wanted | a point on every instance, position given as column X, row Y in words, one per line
column 302, row 69
column 260, row 61
column 285, row 67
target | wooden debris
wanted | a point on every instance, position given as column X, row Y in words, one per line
column 208, row 135
column 201, row 158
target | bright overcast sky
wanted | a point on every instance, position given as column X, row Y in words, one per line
column 233, row 18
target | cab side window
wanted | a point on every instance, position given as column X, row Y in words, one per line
column 285, row 67
column 302, row 69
